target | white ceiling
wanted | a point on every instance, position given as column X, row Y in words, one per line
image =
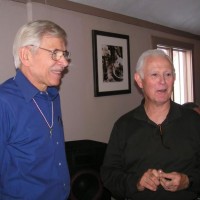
column 182, row 15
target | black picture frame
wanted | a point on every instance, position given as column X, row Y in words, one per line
column 111, row 63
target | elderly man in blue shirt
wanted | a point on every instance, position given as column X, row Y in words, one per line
column 32, row 153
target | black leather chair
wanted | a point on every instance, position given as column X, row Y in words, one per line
column 84, row 159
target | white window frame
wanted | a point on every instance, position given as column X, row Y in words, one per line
column 180, row 49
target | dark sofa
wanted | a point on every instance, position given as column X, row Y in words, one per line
column 84, row 159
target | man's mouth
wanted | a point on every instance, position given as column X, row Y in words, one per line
column 162, row 90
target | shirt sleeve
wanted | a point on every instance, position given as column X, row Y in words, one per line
column 194, row 174
column 120, row 183
column 6, row 120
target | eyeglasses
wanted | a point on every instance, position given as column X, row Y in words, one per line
column 57, row 54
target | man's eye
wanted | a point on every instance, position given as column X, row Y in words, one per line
column 168, row 74
column 55, row 52
column 154, row 75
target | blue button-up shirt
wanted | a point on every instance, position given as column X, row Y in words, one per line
column 32, row 162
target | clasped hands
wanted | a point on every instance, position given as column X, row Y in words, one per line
column 153, row 178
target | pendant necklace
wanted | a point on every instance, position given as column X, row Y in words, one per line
column 52, row 115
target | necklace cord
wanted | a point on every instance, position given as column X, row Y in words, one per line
column 52, row 115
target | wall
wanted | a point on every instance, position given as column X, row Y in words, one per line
column 9, row 25
column 84, row 116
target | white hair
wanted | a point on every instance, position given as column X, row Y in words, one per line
column 32, row 34
column 150, row 53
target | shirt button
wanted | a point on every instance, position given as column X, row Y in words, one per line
column 57, row 142
column 59, row 163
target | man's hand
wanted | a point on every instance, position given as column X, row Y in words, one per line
column 149, row 180
column 173, row 181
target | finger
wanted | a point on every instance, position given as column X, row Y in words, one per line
column 156, row 173
column 149, row 184
column 152, row 181
column 165, row 183
column 167, row 176
column 168, row 185
column 171, row 189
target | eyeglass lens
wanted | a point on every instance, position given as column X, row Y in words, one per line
column 57, row 54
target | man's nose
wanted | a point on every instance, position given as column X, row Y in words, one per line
column 65, row 62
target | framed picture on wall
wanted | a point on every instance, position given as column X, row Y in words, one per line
column 111, row 63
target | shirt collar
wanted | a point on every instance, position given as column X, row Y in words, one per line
column 173, row 114
column 29, row 90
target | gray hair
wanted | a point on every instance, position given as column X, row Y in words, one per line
column 32, row 33
column 150, row 53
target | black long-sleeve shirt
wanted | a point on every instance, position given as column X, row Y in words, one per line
column 137, row 144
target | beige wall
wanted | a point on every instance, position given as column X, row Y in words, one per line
column 84, row 116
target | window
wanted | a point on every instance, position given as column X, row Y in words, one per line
column 181, row 55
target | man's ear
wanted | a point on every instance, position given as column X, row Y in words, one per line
column 24, row 55
column 138, row 79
